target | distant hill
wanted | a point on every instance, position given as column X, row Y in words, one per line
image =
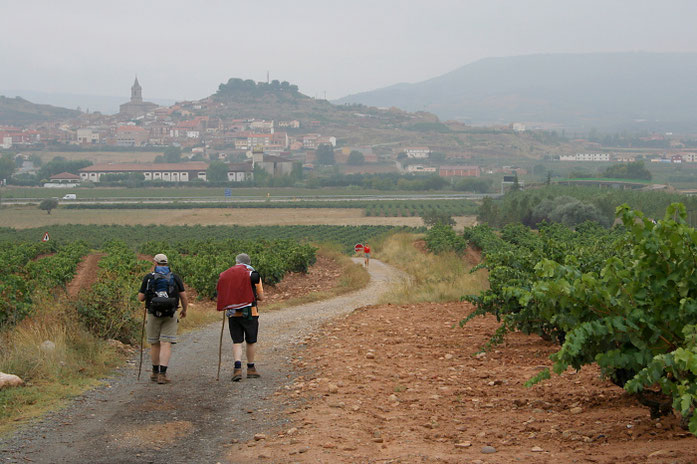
column 105, row 104
column 239, row 98
column 18, row 111
column 608, row 91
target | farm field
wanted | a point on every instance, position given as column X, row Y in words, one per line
column 26, row 217
column 205, row 192
column 99, row 157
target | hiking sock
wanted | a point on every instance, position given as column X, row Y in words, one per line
column 163, row 369
column 250, row 365
column 238, row 364
column 155, row 368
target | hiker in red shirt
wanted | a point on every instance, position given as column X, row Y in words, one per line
column 366, row 254
column 239, row 288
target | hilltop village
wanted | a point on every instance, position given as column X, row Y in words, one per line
column 232, row 131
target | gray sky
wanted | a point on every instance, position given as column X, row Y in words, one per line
column 184, row 49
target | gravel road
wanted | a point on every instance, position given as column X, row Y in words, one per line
column 192, row 419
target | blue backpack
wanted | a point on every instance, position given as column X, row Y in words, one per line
column 162, row 293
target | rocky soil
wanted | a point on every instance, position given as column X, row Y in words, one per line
column 403, row 384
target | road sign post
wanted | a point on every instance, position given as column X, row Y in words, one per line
column 358, row 247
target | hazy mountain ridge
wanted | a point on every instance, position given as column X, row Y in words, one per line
column 18, row 111
column 604, row 90
column 105, row 104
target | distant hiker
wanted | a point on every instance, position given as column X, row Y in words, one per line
column 238, row 289
column 366, row 254
column 162, row 291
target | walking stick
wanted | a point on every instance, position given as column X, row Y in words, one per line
column 142, row 340
column 220, row 348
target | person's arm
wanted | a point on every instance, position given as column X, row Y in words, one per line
column 185, row 304
column 143, row 288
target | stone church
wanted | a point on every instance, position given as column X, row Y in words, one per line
column 136, row 107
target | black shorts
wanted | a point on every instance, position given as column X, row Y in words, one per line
column 243, row 329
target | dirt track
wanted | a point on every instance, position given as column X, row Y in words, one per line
column 195, row 418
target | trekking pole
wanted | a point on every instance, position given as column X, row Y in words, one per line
column 220, row 348
column 142, row 340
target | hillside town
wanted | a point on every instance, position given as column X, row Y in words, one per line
column 202, row 136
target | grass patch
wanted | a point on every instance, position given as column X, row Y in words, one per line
column 199, row 314
column 432, row 278
column 50, row 375
column 353, row 277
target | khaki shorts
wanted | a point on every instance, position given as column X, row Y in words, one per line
column 162, row 329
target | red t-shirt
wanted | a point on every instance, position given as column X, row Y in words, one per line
column 366, row 249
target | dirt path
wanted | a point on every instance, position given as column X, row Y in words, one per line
column 85, row 275
column 195, row 419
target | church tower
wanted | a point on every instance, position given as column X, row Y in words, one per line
column 136, row 92
column 136, row 107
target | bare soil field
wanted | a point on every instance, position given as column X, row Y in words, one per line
column 26, row 217
column 99, row 157
column 402, row 384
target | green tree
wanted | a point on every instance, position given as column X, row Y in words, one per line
column 325, row 155
column 48, row 204
column 217, row 172
column 473, row 184
column 516, row 185
column 173, row 154
column 356, row 158
column 7, row 166
column 635, row 170
column 60, row 164
column 297, row 172
column 434, row 217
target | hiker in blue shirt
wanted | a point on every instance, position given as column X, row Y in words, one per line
column 162, row 290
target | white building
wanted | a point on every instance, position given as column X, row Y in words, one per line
column 87, row 135
column 586, row 157
column 420, row 168
column 417, row 152
column 168, row 172
column 262, row 127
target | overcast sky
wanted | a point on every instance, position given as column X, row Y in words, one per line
column 185, row 49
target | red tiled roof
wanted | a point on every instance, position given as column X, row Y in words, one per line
column 459, row 167
column 65, row 175
column 140, row 167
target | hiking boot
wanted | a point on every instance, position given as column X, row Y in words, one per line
column 237, row 375
column 162, row 378
column 153, row 376
column 252, row 373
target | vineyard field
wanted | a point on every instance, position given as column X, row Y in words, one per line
column 624, row 299
column 97, row 235
column 387, row 208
